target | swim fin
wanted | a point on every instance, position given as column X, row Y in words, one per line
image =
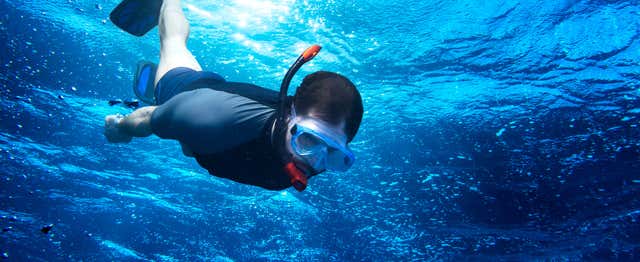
column 136, row 17
column 143, row 81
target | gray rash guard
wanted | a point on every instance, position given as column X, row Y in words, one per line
column 227, row 125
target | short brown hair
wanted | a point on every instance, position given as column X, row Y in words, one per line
column 333, row 97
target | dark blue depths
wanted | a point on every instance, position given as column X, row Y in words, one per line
column 502, row 130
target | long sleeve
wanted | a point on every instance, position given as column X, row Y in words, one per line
column 210, row 121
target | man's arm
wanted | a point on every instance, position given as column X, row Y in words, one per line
column 119, row 129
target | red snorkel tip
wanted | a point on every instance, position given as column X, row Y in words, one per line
column 298, row 179
column 311, row 52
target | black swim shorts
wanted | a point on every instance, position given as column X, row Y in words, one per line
column 183, row 79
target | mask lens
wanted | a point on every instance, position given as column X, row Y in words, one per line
column 316, row 161
column 338, row 160
column 307, row 143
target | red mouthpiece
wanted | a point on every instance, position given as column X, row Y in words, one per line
column 298, row 179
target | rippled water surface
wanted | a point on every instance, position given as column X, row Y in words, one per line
column 493, row 130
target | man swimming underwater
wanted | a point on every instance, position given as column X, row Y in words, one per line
column 238, row 131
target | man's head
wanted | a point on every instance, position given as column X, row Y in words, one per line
column 331, row 98
column 326, row 114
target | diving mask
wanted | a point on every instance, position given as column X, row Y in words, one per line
column 319, row 144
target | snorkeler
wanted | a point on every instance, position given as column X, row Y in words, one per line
column 238, row 131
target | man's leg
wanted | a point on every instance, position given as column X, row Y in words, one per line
column 174, row 31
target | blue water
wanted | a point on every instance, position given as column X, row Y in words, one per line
column 499, row 130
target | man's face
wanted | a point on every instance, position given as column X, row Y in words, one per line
column 302, row 163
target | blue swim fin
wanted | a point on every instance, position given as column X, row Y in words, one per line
column 136, row 17
column 143, row 82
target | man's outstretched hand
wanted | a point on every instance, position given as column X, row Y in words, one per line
column 112, row 130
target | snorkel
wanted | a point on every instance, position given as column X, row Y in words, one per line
column 297, row 177
column 306, row 56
